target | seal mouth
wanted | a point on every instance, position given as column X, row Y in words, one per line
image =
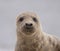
column 28, row 30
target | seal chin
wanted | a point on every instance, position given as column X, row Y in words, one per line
column 28, row 30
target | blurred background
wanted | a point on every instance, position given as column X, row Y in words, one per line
column 48, row 10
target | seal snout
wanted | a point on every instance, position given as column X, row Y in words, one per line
column 28, row 25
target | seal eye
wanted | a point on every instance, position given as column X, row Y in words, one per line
column 34, row 19
column 21, row 19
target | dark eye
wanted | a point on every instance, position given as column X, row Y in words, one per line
column 21, row 19
column 34, row 19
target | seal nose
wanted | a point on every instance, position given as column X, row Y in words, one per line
column 28, row 24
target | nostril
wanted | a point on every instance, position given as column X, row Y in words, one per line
column 29, row 24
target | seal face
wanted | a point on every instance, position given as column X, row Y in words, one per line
column 27, row 23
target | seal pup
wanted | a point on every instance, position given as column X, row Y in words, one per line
column 30, row 36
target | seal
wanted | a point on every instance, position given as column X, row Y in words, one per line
column 30, row 36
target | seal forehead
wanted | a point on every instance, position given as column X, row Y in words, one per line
column 30, row 14
column 27, row 14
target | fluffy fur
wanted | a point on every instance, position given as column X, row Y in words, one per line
column 35, row 40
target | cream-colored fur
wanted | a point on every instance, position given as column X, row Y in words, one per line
column 36, row 40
